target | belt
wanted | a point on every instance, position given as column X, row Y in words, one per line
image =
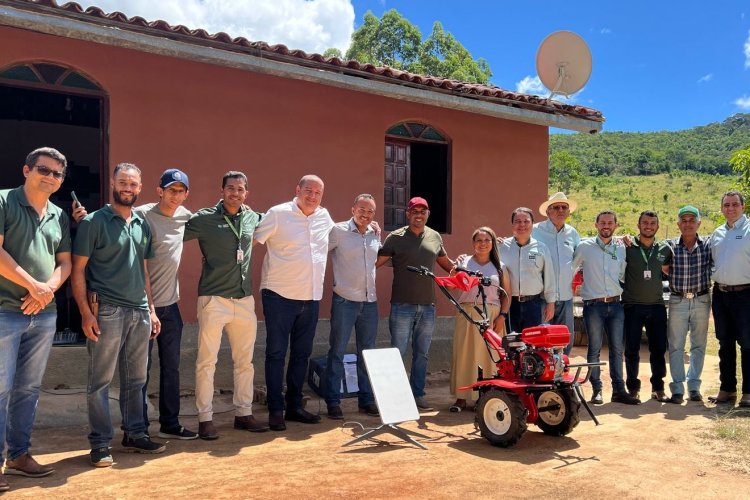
column 689, row 295
column 526, row 298
column 732, row 288
column 606, row 300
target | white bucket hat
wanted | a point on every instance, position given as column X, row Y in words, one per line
column 558, row 197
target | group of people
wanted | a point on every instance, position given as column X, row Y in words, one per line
column 124, row 266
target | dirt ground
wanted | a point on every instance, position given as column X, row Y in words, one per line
column 647, row 451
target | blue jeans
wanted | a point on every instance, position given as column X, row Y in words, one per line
column 654, row 318
column 169, row 368
column 687, row 314
column 732, row 321
column 123, row 340
column 601, row 318
column 524, row 314
column 564, row 316
column 25, row 342
column 415, row 323
column 345, row 315
column 290, row 324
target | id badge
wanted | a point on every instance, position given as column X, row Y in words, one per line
column 241, row 255
column 647, row 274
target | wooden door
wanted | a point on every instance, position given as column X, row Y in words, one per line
column 397, row 184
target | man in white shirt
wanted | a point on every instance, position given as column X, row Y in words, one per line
column 296, row 237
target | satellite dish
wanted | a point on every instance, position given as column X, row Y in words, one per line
column 563, row 63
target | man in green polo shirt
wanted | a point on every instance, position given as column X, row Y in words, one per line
column 225, row 301
column 644, row 305
column 110, row 286
column 34, row 262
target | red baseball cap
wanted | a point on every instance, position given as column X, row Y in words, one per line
column 417, row 201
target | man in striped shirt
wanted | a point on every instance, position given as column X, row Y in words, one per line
column 689, row 303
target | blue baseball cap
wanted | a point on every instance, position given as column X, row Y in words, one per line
column 173, row 175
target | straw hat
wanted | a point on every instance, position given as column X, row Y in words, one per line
column 557, row 198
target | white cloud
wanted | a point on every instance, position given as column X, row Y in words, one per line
column 705, row 78
column 743, row 102
column 534, row 86
column 747, row 51
column 605, row 31
column 310, row 25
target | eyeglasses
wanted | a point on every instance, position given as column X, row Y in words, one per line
column 46, row 171
column 559, row 207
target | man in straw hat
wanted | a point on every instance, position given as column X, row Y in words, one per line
column 561, row 239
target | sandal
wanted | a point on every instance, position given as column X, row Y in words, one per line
column 458, row 406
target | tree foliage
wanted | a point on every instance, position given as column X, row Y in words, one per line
column 394, row 41
column 565, row 172
column 740, row 162
column 704, row 149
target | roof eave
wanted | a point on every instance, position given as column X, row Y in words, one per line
column 145, row 41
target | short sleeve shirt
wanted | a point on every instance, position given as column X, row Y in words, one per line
column 642, row 262
column 408, row 249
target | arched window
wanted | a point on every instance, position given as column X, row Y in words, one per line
column 417, row 163
column 50, row 74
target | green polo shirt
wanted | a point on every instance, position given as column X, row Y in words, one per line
column 637, row 289
column 33, row 243
column 222, row 275
column 116, row 251
column 407, row 249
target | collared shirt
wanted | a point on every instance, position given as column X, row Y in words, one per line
column 296, row 251
column 730, row 249
column 643, row 283
column 530, row 268
column 222, row 275
column 353, row 257
column 561, row 245
column 690, row 270
column 116, row 250
column 492, row 291
column 166, row 240
column 603, row 268
column 32, row 242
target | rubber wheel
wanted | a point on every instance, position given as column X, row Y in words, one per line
column 501, row 417
column 560, row 421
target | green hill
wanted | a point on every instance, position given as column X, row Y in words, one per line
column 703, row 149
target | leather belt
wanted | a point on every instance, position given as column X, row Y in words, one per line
column 606, row 300
column 732, row 288
column 689, row 295
column 526, row 298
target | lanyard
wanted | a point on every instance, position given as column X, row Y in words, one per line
column 604, row 249
column 646, row 258
column 231, row 226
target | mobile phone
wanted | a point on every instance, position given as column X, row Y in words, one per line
column 75, row 198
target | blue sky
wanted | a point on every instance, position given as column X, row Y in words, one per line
column 658, row 65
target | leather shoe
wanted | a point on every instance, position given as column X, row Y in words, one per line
column 276, row 421
column 660, row 396
column 625, row 398
column 677, row 399
column 335, row 413
column 596, row 398
column 207, row 431
column 635, row 393
column 371, row 410
column 723, row 397
column 696, row 396
column 249, row 423
column 25, row 465
column 745, row 401
column 301, row 415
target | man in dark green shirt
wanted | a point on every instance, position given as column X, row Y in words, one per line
column 225, row 301
column 110, row 286
column 34, row 262
column 644, row 305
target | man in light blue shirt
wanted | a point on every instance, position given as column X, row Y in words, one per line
column 354, row 246
column 603, row 265
column 561, row 240
column 730, row 249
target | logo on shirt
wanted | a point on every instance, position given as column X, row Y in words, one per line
column 532, row 256
column 738, row 237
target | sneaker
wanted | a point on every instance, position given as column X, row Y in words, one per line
column 371, row 410
column 25, row 465
column 660, row 396
column 101, row 457
column 335, row 413
column 142, row 445
column 696, row 396
column 676, row 399
column 596, row 398
column 635, row 393
column 422, row 404
column 177, row 433
column 625, row 398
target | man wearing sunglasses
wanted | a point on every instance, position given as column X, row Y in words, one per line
column 34, row 262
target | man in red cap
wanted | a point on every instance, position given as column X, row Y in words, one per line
column 412, row 296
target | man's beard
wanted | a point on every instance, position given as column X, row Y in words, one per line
column 120, row 201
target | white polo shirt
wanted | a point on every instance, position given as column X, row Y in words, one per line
column 296, row 251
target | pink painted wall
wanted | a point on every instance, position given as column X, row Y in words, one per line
column 207, row 119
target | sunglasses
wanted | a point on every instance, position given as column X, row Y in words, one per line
column 46, row 171
column 559, row 207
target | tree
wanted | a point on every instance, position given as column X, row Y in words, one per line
column 394, row 41
column 565, row 172
column 333, row 52
column 740, row 162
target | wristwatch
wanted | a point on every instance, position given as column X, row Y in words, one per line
column 503, row 314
